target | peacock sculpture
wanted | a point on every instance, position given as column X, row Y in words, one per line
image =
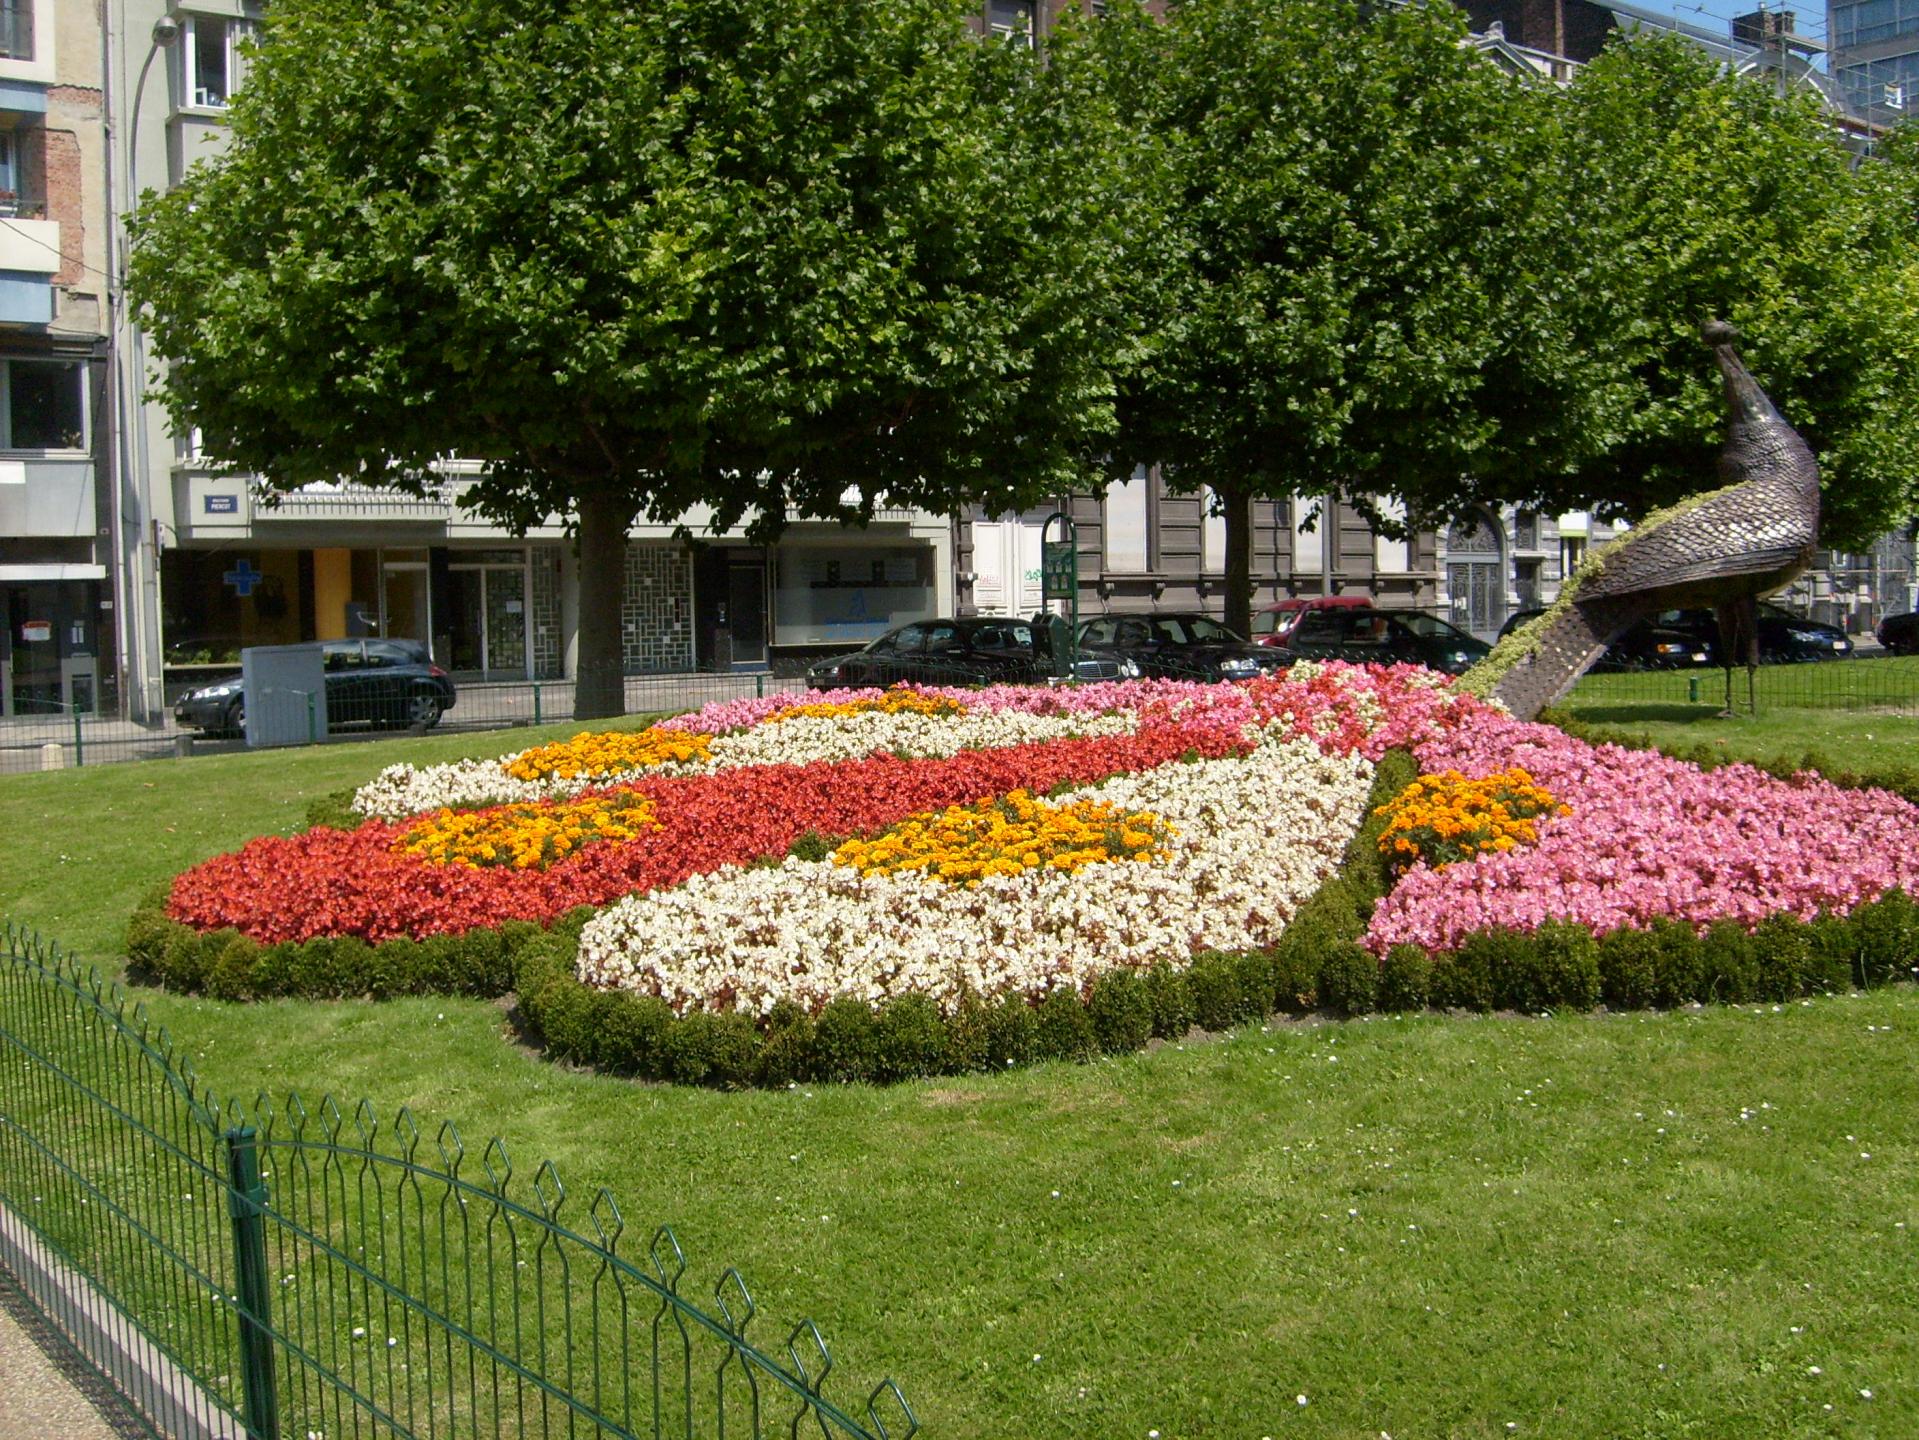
column 1720, row 550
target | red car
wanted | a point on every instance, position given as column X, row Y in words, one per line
column 1273, row 623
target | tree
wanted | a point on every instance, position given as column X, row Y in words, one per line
column 779, row 257
column 1348, row 288
column 1692, row 193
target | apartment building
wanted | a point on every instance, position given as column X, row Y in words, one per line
column 59, row 599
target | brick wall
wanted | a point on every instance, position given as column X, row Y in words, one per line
column 656, row 614
column 52, row 167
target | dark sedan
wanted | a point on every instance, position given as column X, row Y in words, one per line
column 1384, row 637
column 1180, row 647
column 1900, row 634
column 1784, row 638
column 979, row 650
column 1645, row 646
column 382, row 682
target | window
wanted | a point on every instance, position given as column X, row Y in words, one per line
column 9, row 174
column 1011, row 20
column 44, row 404
column 1309, row 543
column 1212, row 535
column 16, row 29
column 210, row 53
column 1125, row 515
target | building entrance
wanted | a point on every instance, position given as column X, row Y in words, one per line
column 49, row 661
column 488, row 623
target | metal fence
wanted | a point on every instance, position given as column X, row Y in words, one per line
column 62, row 738
column 1874, row 681
column 285, row 1271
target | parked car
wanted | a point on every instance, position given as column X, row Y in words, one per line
column 1646, row 646
column 1900, row 634
column 1784, row 638
column 1384, row 637
column 378, row 682
column 1180, row 647
column 1273, row 623
column 978, row 650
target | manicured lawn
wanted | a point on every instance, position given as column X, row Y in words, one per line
column 1592, row 1225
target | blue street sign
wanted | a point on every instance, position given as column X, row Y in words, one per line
column 243, row 578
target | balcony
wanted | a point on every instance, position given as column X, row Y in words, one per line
column 356, row 503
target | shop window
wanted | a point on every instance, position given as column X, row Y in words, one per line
column 1212, row 534
column 44, row 404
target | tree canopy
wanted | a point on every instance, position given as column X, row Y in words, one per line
column 1347, row 286
column 1690, row 193
column 1386, row 269
column 779, row 257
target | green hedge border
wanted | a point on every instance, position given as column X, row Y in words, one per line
column 1317, row 965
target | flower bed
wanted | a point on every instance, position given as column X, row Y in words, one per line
column 1648, row 838
column 1101, row 862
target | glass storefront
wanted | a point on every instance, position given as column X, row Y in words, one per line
column 487, row 627
column 50, row 654
column 845, row 594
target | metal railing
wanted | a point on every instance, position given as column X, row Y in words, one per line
column 59, row 737
column 279, row 1271
column 1875, row 681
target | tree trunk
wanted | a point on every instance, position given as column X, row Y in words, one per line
column 1238, row 506
column 600, row 683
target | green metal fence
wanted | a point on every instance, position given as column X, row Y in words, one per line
column 315, row 1273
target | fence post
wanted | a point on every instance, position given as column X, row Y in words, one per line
column 246, row 1194
column 536, row 702
column 313, row 719
column 759, row 687
column 77, row 759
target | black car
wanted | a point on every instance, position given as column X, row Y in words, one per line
column 1383, row 637
column 379, row 682
column 1784, row 638
column 1180, row 647
column 1646, row 646
column 978, row 650
column 1900, row 634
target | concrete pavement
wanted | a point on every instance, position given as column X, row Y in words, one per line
column 46, row 1392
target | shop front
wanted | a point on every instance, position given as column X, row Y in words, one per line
column 50, row 653
column 474, row 609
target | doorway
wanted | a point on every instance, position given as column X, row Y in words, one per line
column 487, row 626
column 49, row 653
column 1006, row 566
column 1476, row 576
column 729, row 608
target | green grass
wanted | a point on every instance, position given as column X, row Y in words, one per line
column 1426, row 1226
column 1864, row 711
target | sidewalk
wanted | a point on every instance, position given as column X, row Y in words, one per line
column 45, row 1391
